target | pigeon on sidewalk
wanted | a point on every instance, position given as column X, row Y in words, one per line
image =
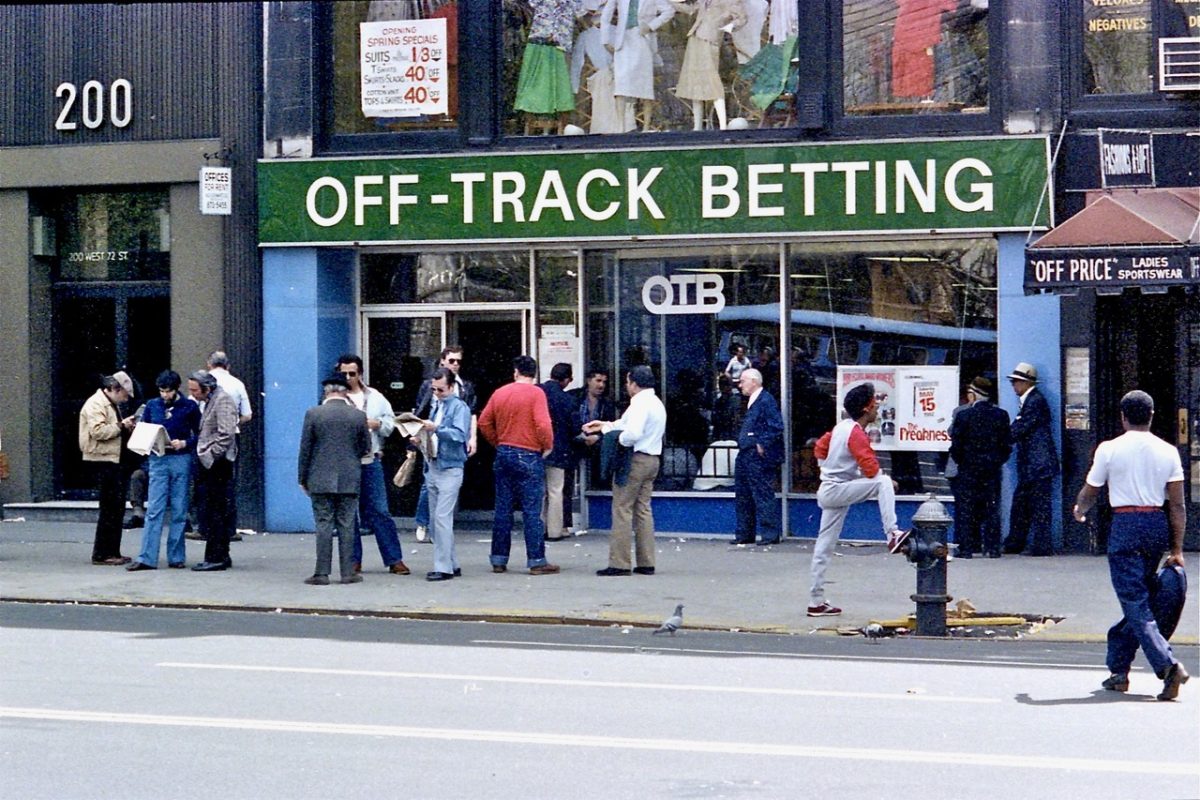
column 671, row 623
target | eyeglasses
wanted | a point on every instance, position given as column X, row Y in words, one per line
column 441, row 389
column 453, row 360
column 350, row 374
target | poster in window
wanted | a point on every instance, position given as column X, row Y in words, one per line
column 404, row 68
column 914, row 405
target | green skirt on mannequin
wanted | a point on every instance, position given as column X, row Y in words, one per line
column 544, row 86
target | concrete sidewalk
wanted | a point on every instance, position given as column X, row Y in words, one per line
column 722, row 586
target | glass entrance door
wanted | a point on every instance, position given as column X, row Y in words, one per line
column 399, row 351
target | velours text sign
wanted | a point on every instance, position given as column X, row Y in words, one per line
column 878, row 187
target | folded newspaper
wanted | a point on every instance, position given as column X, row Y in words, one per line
column 410, row 425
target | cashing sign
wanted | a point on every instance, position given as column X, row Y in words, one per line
column 878, row 187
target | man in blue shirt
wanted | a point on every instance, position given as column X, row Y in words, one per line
column 450, row 421
column 170, row 472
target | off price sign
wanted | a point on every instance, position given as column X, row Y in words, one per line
column 403, row 66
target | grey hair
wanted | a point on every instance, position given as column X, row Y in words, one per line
column 752, row 374
column 218, row 358
column 206, row 379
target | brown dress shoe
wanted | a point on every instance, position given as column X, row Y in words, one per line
column 399, row 568
column 358, row 566
column 544, row 569
column 498, row 568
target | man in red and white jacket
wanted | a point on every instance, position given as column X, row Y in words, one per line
column 850, row 474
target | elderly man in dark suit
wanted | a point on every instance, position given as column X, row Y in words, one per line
column 217, row 451
column 1037, row 465
column 980, row 443
column 334, row 441
column 760, row 452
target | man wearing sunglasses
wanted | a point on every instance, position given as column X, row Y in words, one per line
column 372, row 494
column 451, row 360
column 450, row 421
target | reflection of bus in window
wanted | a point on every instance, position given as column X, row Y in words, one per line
column 826, row 339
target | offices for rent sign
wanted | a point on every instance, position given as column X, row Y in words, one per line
column 914, row 404
column 403, row 68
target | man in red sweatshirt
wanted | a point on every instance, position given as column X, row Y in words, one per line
column 517, row 422
column 849, row 474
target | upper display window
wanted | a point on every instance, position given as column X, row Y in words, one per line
column 914, row 57
column 1119, row 54
column 395, row 66
column 619, row 66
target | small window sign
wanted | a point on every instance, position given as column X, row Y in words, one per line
column 216, row 190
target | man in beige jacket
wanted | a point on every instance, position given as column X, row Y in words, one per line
column 100, row 428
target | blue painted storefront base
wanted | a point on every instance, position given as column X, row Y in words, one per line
column 707, row 514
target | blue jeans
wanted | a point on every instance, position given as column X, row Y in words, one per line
column 521, row 475
column 170, row 477
column 373, row 512
column 1135, row 544
column 421, row 517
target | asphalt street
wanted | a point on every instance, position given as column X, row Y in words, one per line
column 102, row 702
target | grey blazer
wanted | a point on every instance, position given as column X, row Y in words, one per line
column 218, row 429
column 333, row 443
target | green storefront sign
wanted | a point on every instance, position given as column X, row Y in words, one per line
column 989, row 184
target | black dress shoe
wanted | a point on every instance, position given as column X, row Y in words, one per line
column 210, row 566
column 228, row 562
column 609, row 572
column 138, row 566
column 643, row 570
column 743, row 541
column 134, row 522
column 768, row 541
column 457, row 572
column 177, row 565
column 438, row 576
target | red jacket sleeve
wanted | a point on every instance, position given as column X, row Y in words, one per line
column 821, row 448
column 860, row 448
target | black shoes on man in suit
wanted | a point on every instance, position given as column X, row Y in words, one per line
column 442, row 576
column 213, row 566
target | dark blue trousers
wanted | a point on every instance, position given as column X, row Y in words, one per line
column 757, row 508
column 1136, row 543
column 1029, row 522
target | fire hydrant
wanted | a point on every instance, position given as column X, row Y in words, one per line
column 926, row 549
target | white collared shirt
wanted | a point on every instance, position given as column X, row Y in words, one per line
column 643, row 424
column 754, row 397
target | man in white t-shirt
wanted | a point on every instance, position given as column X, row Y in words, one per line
column 1143, row 473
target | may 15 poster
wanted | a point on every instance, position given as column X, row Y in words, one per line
column 913, row 404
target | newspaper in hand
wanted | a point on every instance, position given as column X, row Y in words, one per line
column 148, row 438
column 411, row 425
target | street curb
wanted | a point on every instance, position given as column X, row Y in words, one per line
column 527, row 617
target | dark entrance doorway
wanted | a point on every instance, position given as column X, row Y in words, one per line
column 489, row 346
column 1152, row 343
column 99, row 329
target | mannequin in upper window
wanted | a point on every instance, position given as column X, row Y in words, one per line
column 699, row 76
column 628, row 30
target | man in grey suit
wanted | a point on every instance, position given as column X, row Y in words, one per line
column 216, row 450
column 333, row 444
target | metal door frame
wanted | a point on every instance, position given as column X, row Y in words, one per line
column 362, row 335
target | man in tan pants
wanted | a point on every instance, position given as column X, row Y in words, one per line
column 641, row 429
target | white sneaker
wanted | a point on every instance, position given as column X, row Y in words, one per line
column 421, row 534
column 895, row 539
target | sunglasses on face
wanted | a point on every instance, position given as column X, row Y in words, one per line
column 441, row 389
column 453, row 360
column 352, row 374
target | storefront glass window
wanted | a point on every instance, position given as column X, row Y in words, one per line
column 112, row 236
column 616, row 66
column 1118, row 39
column 914, row 56
column 496, row 276
column 558, row 288
column 394, row 77
column 890, row 304
column 674, row 309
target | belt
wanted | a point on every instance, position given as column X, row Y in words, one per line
column 647, row 455
column 1135, row 509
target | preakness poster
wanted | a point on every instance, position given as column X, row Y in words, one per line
column 914, row 404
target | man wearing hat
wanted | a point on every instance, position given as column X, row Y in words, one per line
column 100, row 428
column 980, row 443
column 334, row 441
column 1037, row 464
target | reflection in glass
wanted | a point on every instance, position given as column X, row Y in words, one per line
column 114, row 236
column 914, row 56
column 500, row 276
column 1117, row 47
column 887, row 303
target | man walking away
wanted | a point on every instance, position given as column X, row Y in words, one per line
column 517, row 422
column 980, row 443
column 216, row 450
column 100, row 429
column 1143, row 474
column 850, row 474
column 333, row 443
column 760, row 452
column 564, row 422
column 450, row 421
column 641, row 429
